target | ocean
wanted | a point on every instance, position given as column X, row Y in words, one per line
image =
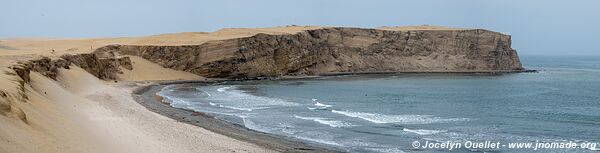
column 556, row 106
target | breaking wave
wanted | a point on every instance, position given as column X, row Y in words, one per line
column 240, row 108
column 319, row 106
column 332, row 123
column 423, row 131
column 231, row 98
column 401, row 119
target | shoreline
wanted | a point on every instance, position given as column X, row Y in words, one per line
column 146, row 96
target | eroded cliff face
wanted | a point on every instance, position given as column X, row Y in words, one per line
column 103, row 68
column 333, row 50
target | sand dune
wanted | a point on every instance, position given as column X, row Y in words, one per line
column 146, row 70
column 79, row 113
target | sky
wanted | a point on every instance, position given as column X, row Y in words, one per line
column 538, row 27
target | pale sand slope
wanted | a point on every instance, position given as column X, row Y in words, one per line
column 146, row 70
column 79, row 113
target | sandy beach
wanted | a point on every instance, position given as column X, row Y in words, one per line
column 147, row 96
column 89, row 115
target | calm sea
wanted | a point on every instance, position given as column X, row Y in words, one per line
column 389, row 113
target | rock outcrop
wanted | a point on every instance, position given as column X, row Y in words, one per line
column 335, row 50
column 103, row 68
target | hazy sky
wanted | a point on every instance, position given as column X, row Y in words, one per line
column 568, row 27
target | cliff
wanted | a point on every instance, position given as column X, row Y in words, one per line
column 334, row 50
column 102, row 68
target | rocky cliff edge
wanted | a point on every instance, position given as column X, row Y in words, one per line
column 335, row 50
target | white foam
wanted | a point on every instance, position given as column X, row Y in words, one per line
column 243, row 108
column 175, row 102
column 237, row 98
column 163, row 92
column 332, row 123
column 201, row 90
column 386, row 150
column 423, row 131
column 322, row 105
column 251, row 125
column 223, row 89
column 319, row 141
column 212, row 104
column 319, row 106
column 168, row 88
column 402, row 119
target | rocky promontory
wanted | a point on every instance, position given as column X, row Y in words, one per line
column 336, row 50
